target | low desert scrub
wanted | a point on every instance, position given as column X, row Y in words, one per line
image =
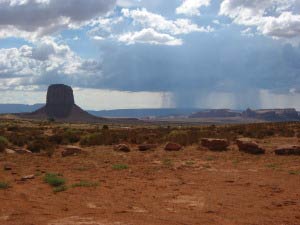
column 3, row 143
column 18, row 139
column 167, row 162
column 55, row 180
column 65, row 136
column 39, row 144
column 294, row 172
column 272, row 166
column 4, row 185
column 105, row 137
column 178, row 136
column 189, row 163
column 120, row 167
column 85, row 184
column 60, row 189
column 72, row 136
column 210, row 158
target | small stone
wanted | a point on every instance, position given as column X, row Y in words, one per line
column 22, row 151
column 173, row 147
column 28, row 177
column 122, row 148
column 9, row 151
column 8, row 166
column 71, row 151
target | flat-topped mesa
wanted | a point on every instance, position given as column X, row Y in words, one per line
column 60, row 101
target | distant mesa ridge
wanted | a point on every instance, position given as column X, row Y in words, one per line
column 260, row 114
column 61, row 105
column 272, row 114
column 214, row 113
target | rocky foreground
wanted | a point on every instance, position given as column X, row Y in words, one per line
column 160, row 184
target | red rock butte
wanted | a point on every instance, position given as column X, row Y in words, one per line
column 61, row 106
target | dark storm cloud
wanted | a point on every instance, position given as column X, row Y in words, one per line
column 224, row 62
column 49, row 15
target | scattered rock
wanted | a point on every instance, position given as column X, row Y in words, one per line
column 122, row 148
column 71, row 151
column 173, row 147
column 9, row 151
column 8, row 166
column 28, row 177
column 22, row 151
column 249, row 146
column 215, row 144
column 146, row 147
column 288, row 150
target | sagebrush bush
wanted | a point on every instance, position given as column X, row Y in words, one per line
column 56, row 139
column 39, row 144
column 18, row 139
column 179, row 136
column 4, row 185
column 72, row 136
column 3, row 143
column 104, row 137
column 54, row 179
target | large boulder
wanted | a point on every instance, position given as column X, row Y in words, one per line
column 249, row 146
column 288, row 150
column 215, row 144
column 71, row 151
column 173, row 147
column 122, row 148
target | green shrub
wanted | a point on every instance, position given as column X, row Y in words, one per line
column 60, row 189
column 178, row 136
column 54, row 180
column 105, row 127
column 120, row 167
column 72, row 136
column 18, row 139
column 56, row 139
column 4, row 185
column 3, row 143
column 85, row 184
column 104, row 137
column 39, row 144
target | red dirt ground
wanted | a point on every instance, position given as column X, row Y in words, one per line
column 193, row 186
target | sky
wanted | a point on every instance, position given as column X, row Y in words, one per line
column 152, row 53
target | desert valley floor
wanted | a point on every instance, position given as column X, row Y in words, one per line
column 187, row 187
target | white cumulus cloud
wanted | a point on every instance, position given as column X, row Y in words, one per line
column 274, row 18
column 192, row 7
column 42, row 62
column 149, row 36
column 160, row 23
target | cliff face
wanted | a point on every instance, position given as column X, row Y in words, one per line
column 60, row 101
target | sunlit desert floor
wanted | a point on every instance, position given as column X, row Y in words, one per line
column 192, row 186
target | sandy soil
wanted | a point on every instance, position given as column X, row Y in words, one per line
column 193, row 186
